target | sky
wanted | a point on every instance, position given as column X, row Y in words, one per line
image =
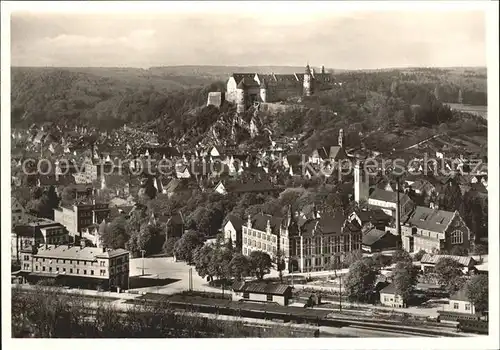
column 341, row 40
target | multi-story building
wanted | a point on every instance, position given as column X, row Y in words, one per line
column 76, row 266
column 435, row 230
column 81, row 216
column 318, row 243
column 40, row 231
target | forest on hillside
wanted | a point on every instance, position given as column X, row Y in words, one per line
column 364, row 103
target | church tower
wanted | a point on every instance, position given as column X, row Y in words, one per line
column 361, row 184
column 307, row 81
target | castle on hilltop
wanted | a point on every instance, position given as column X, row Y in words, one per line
column 247, row 89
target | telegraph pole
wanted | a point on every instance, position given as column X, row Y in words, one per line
column 142, row 252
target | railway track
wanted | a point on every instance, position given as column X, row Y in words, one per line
column 291, row 315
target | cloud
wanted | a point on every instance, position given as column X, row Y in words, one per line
column 360, row 40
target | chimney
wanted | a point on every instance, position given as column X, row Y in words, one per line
column 398, row 224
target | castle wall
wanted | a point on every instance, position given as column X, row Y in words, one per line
column 273, row 108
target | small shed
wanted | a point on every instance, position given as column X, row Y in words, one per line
column 429, row 261
column 262, row 292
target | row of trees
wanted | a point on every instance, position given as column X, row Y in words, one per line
column 48, row 313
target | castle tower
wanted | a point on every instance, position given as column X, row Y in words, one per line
column 240, row 98
column 361, row 184
column 263, row 91
column 307, row 81
column 341, row 138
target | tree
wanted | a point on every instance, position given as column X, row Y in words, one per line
column 459, row 250
column 168, row 245
column 381, row 260
column 240, row 266
column 260, row 263
column 115, row 235
column 186, row 245
column 352, row 257
column 405, row 279
column 360, row 280
column 202, row 258
column 477, row 292
column 418, row 255
column 401, row 256
column 449, row 274
column 451, row 199
column 480, row 249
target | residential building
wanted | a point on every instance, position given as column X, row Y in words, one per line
column 460, row 303
column 262, row 292
column 77, row 266
column 389, row 297
column 81, row 216
column 232, row 229
column 433, row 230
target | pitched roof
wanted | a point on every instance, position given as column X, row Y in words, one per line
column 259, row 222
column 77, row 252
column 372, row 236
column 388, row 196
column 261, row 288
column 238, row 77
column 460, row 295
column 434, row 259
column 389, row 289
column 433, row 220
column 235, row 221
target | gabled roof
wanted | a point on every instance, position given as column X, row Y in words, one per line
column 434, row 259
column 238, row 77
column 461, row 295
column 261, row 288
column 433, row 220
column 235, row 221
column 372, row 236
column 259, row 222
column 388, row 196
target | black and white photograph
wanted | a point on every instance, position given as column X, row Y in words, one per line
column 256, row 170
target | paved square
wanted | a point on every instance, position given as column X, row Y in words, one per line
column 163, row 275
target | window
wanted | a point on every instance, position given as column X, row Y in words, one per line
column 455, row 306
column 57, row 269
column 467, row 307
column 457, row 237
column 84, row 263
column 78, row 262
column 77, row 271
column 269, row 297
column 84, row 272
column 43, row 259
column 70, row 270
column 50, row 269
column 64, row 269
column 103, row 272
column 36, row 267
column 43, row 268
column 246, row 295
column 92, row 272
column 101, row 263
